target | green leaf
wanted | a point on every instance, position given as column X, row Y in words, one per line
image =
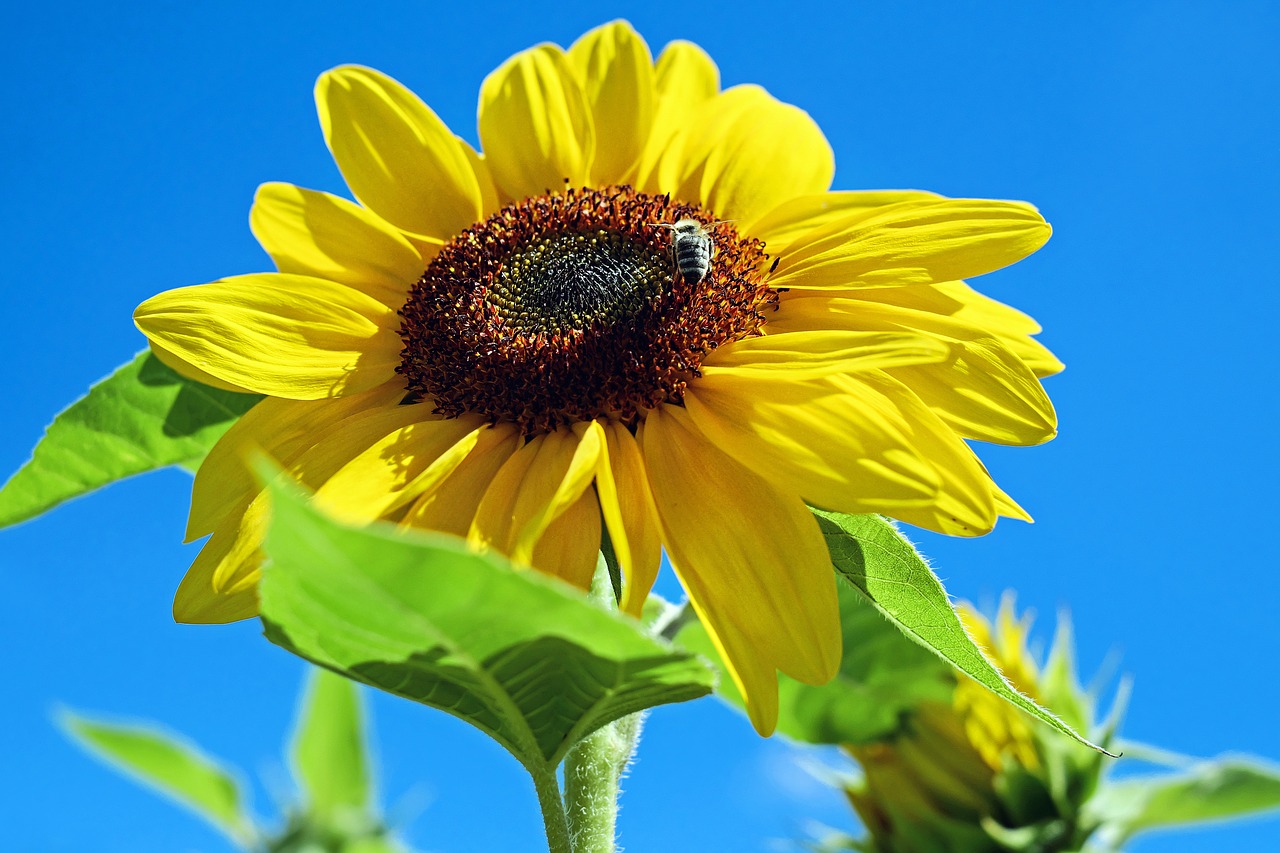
column 521, row 656
column 871, row 554
column 166, row 763
column 140, row 418
column 1212, row 790
column 330, row 754
column 882, row 676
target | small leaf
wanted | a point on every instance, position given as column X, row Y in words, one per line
column 330, row 754
column 140, row 418
column 872, row 555
column 882, row 676
column 1212, row 790
column 173, row 767
column 521, row 656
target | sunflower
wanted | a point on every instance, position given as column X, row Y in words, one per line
column 501, row 345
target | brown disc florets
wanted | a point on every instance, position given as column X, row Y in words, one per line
column 569, row 306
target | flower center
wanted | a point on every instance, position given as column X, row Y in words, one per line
column 579, row 305
column 564, row 282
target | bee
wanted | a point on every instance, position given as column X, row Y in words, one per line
column 691, row 248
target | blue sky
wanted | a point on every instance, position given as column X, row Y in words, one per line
column 1146, row 132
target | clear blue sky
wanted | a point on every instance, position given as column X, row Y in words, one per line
column 1148, row 134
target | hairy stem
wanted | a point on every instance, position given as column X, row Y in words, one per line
column 594, row 767
column 553, row 813
column 592, row 772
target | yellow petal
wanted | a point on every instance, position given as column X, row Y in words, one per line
column 686, row 79
column 626, row 503
column 334, row 449
column 752, row 559
column 489, row 198
column 1007, row 506
column 535, row 124
column 948, row 298
column 450, row 505
column 564, row 469
column 344, row 442
column 829, row 444
column 811, row 353
column 395, row 469
column 494, row 518
column 1009, row 324
column 961, row 302
column 190, row 371
column 230, row 562
column 746, row 153
column 348, row 440
column 447, row 463
column 986, row 393
column 283, row 335
column 783, row 224
column 913, row 243
column 615, row 70
column 221, row 585
column 398, row 157
column 278, row 429
column 982, row 390
column 964, row 504
column 1036, row 356
column 684, row 158
column 317, row 234
column 197, row 603
column 569, row 548
column 973, row 307
column 535, row 487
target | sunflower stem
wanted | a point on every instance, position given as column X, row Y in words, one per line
column 559, row 839
column 595, row 765
column 592, row 772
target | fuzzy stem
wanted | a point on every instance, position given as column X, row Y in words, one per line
column 553, row 814
column 595, row 765
column 592, row 771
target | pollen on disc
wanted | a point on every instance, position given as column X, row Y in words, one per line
column 570, row 306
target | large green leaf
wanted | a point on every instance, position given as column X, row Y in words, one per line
column 169, row 765
column 882, row 676
column 140, row 418
column 872, row 555
column 521, row 656
column 329, row 750
column 1212, row 790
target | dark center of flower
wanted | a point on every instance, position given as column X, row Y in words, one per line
column 571, row 281
column 572, row 306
